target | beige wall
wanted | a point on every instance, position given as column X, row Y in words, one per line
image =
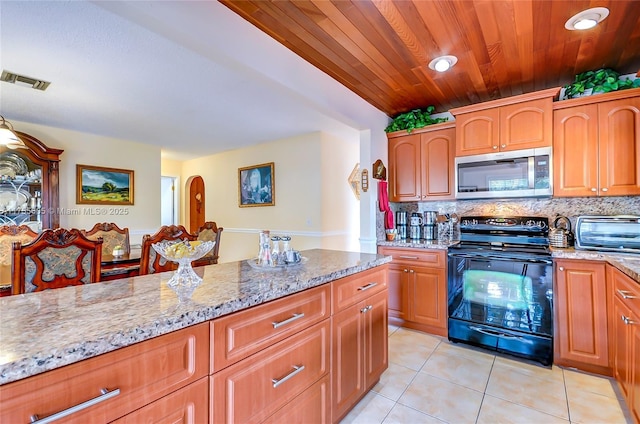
column 313, row 200
column 88, row 149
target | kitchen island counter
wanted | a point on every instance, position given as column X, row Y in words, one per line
column 627, row 263
column 46, row 330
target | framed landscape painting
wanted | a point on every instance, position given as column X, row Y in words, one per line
column 256, row 185
column 97, row 185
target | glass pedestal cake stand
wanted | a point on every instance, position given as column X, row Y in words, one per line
column 184, row 280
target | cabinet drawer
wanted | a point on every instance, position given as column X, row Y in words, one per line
column 244, row 333
column 143, row 373
column 189, row 405
column 627, row 290
column 430, row 257
column 312, row 406
column 253, row 389
column 353, row 289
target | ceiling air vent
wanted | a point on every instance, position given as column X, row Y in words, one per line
column 22, row 80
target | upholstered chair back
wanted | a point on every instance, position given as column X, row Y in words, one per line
column 111, row 235
column 209, row 231
column 8, row 235
column 55, row 259
column 150, row 261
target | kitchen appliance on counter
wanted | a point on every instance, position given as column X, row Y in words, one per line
column 429, row 229
column 560, row 235
column 415, row 224
column 500, row 286
column 616, row 233
column 401, row 224
column 520, row 173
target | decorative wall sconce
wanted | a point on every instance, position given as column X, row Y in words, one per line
column 379, row 170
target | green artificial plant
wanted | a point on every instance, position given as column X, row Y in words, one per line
column 600, row 81
column 417, row 118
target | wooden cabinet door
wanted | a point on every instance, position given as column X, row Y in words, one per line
column 575, row 151
column 438, row 154
column 375, row 338
column 619, row 147
column 428, row 294
column 622, row 346
column 405, row 169
column 397, row 290
column 311, row 406
column 478, row 132
column 581, row 314
column 526, row 125
column 347, row 372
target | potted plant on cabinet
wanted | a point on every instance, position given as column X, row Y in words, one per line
column 602, row 80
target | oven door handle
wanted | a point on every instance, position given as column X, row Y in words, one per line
column 494, row 333
column 499, row 258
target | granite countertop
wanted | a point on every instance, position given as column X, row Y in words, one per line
column 46, row 330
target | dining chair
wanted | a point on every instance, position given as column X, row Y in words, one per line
column 150, row 261
column 55, row 259
column 112, row 236
column 209, row 231
column 8, row 235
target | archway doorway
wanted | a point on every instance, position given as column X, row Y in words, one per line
column 195, row 203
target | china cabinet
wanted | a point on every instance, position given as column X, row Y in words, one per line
column 29, row 184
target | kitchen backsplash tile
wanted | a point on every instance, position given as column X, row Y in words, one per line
column 571, row 207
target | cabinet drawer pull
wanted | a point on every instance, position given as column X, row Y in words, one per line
column 366, row 308
column 626, row 294
column 408, row 257
column 296, row 370
column 288, row 320
column 106, row 394
column 627, row 321
column 367, row 287
column 605, row 189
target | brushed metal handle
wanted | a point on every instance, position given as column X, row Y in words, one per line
column 106, row 395
column 561, row 268
column 626, row 294
column 408, row 257
column 594, row 189
column 411, row 271
column 366, row 308
column 296, row 370
column 604, row 189
column 627, row 321
column 495, row 147
column 367, row 287
column 503, row 146
column 288, row 320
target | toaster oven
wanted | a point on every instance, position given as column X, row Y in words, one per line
column 618, row 233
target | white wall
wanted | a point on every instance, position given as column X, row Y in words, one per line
column 312, row 201
column 81, row 148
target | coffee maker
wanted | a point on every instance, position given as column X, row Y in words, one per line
column 429, row 231
column 415, row 224
column 401, row 224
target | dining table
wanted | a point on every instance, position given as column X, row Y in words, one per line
column 120, row 266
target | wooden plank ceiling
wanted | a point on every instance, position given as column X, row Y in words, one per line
column 380, row 49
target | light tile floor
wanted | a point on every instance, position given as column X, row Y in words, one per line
column 431, row 380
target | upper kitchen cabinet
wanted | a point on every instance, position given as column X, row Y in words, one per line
column 421, row 164
column 29, row 185
column 596, row 145
column 512, row 123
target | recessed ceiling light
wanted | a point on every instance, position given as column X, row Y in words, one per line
column 443, row 63
column 587, row 18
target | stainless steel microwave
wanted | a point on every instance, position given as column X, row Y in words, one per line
column 520, row 173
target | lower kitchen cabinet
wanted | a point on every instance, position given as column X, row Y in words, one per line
column 140, row 375
column 189, row 405
column 418, row 289
column 360, row 351
column 311, row 406
column 625, row 318
column 580, row 297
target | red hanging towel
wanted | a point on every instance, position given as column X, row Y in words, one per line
column 383, row 200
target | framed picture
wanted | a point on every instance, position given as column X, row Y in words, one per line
column 96, row 185
column 256, row 186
